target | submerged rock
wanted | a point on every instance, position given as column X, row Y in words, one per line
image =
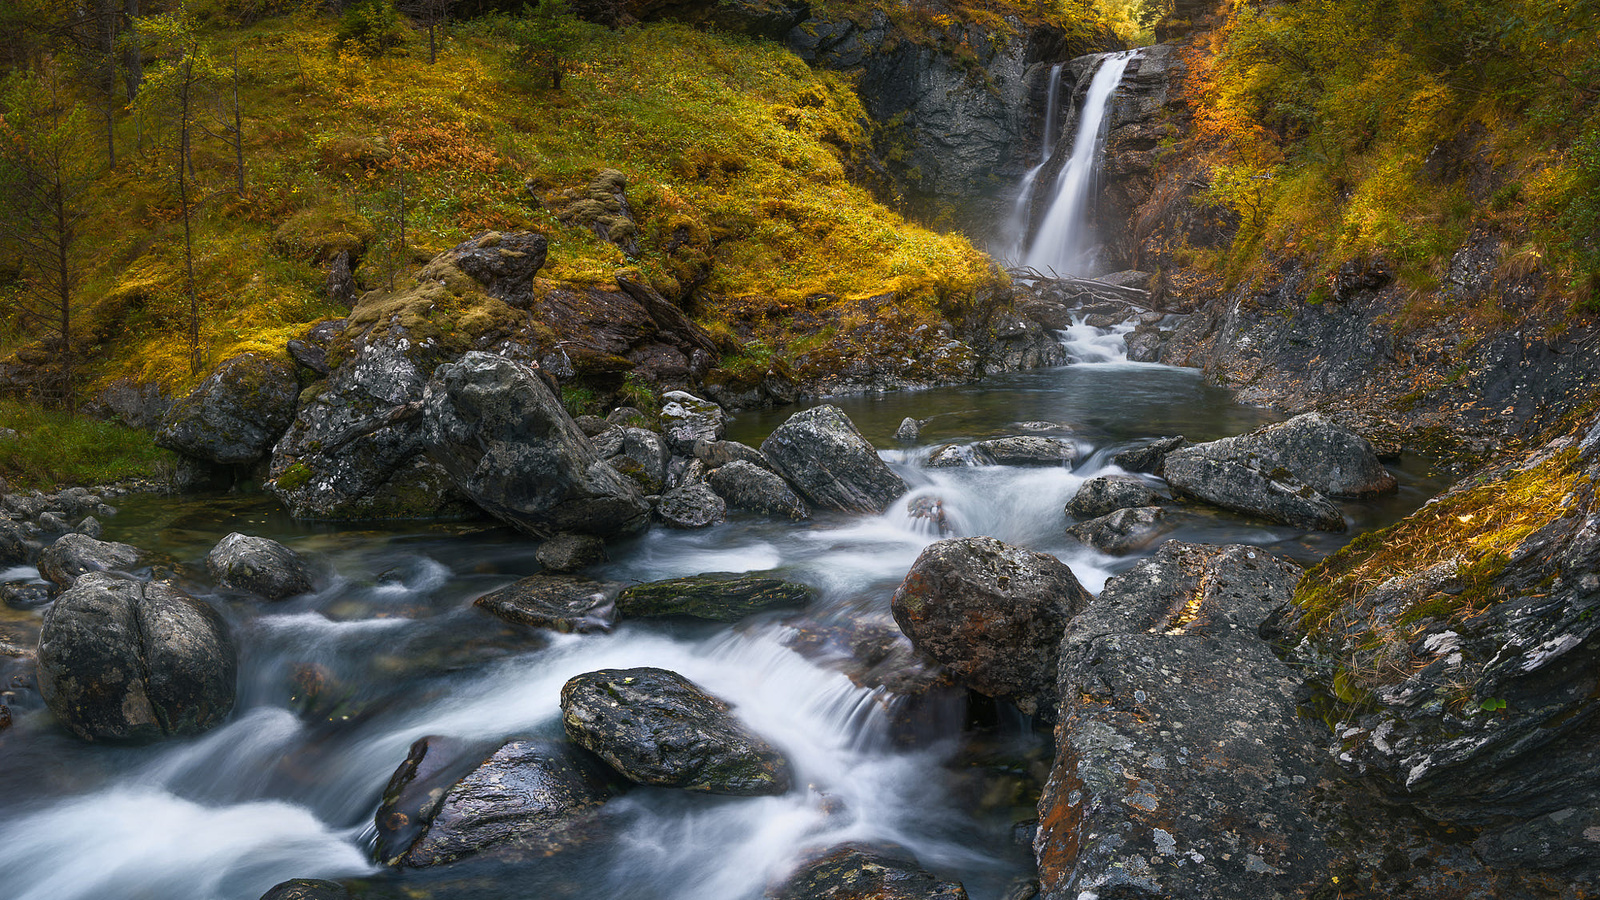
column 857, row 872
column 235, row 415
column 1184, row 769
column 258, row 566
column 73, row 555
column 748, row 486
column 1121, row 532
column 557, row 602
column 501, row 433
column 1027, row 451
column 1107, row 494
column 716, row 596
column 128, row 660
column 993, row 614
column 657, row 727
column 691, row 506
column 821, row 453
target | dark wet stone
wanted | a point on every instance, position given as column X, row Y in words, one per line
column 1028, row 451
column 951, row 456
column 307, row 889
column 570, row 553
column 24, row 596
column 750, row 487
column 687, row 419
column 716, row 596
column 124, row 659
column 1148, row 458
column 73, row 555
column 993, row 614
column 657, row 727
column 909, row 431
column 1107, row 494
column 1122, row 532
column 1323, row 454
column 856, row 872
column 259, row 566
column 691, row 506
column 820, row 452
column 559, row 603
column 235, row 415
column 1241, row 485
column 716, row 454
column 16, row 542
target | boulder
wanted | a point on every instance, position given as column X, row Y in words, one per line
column 1107, row 494
column 73, row 555
column 1027, row 451
column 570, row 553
column 648, row 450
column 1330, row 458
column 1240, row 484
column 24, row 596
column 952, row 456
column 856, row 872
column 821, row 453
column 691, row 506
column 993, row 614
column 1148, row 458
column 909, row 431
column 503, row 262
column 16, row 543
column 1144, row 346
column 1122, row 532
column 528, row 795
column 748, row 486
column 127, row 660
column 499, row 430
column 715, row 454
column 559, row 603
column 716, row 596
column 1183, row 768
column 686, row 419
column 257, row 565
column 657, row 727
column 307, row 889
column 311, row 350
column 235, row 415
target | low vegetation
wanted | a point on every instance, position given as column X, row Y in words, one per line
column 52, row 449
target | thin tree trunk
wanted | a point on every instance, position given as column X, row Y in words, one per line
column 433, row 52
column 64, row 291
column 185, row 85
column 133, row 57
column 238, row 125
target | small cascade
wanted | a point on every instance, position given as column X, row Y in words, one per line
column 1015, row 232
column 1063, row 243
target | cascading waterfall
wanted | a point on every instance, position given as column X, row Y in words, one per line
column 1063, row 243
column 1015, row 232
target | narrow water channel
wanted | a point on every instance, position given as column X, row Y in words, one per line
column 334, row 686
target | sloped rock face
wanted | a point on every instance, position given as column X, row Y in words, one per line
column 127, row 660
column 820, row 452
column 503, row 436
column 235, row 415
column 1183, row 769
column 657, row 727
column 993, row 614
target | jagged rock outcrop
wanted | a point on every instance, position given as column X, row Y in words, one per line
column 235, row 415
column 820, row 452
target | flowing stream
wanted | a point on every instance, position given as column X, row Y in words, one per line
column 334, row 686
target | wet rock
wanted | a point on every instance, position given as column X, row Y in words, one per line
column 1184, row 769
column 1144, row 346
column 691, row 506
column 259, row 566
column 607, row 439
column 16, row 543
column 951, row 456
column 821, row 453
column 656, row 727
column 24, row 596
column 570, row 553
column 1107, row 494
column 716, row 596
column 73, row 555
column 311, row 350
column 126, row 660
column 1122, row 532
column 557, row 602
column 686, row 419
column 1149, row 457
column 909, row 431
column 1129, row 278
column 307, row 888
column 528, row 795
column 931, row 512
column 649, row 451
column 1330, row 458
column 501, row 433
column 993, row 614
column 89, row 527
column 1027, row 451
column 1239, row 483
column 747, row 486
column 235, row 415
column 858, row 872
column 716, row 454
column 52, row 522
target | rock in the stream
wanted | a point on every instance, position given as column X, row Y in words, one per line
column 1240, row 483
column 528, row 796
column 307, row 889
column 716, row 454
column 691, row 506
column 570, row 553
column 1027, row 451
column 24, row 596
column 123, row 659
column 1144, row 346
column 74, row 555
column 747, row 486
column 1330, row 458
column 1148, row 458
column 993, row 614
column 1184, row 770
column 821, row 453
column 1121, row 532
column 910, row 429
column 16, row 543
column 502, row 434
column 856, row 872
column 259, row 566
column 686, row 419
column 235, row 415
column 1107, row 494
column 557, row 602
column 657, row 727
column 717, row 596
column 952, row 456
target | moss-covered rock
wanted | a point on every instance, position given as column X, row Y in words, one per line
column 235, row 415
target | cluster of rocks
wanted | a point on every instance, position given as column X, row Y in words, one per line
column 1120, row 301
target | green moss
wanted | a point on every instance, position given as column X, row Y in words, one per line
column 295, row 476
column 55, row 448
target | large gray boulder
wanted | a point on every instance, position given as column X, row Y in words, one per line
column 1184, row 769
column 506, row 441
column 1319, row 452
column 657, row 727
column 993, row 614
column 1121, row 532
column 235, row 415
column 820, row 452
column 745, row 485
column 1027, row 450
column 1107, row 494
column 1241, row 484
column 73, row 555
column 259, row 566
column 691, row 506
column 121, row 659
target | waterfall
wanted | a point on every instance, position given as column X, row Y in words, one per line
column 1015, row 232
column 1063, row 242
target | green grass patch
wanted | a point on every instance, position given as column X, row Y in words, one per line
column 60, row 449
